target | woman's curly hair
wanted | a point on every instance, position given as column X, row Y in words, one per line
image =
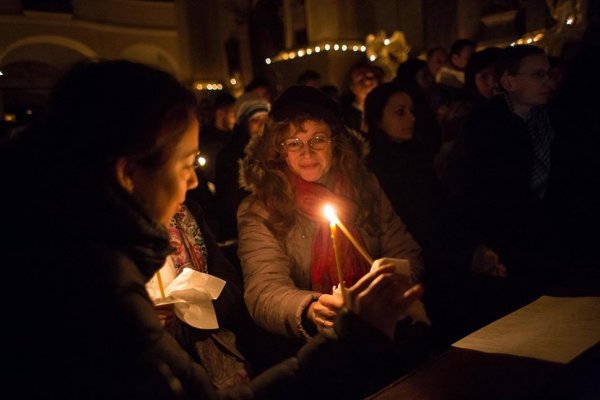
column 264, row 172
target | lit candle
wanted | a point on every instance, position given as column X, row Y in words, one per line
column 330, row 214
column 335, row 220
column 160, row 284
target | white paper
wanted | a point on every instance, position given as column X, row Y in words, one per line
column 191, row 293
column 555, row 329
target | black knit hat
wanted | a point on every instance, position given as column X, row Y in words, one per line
column 308, row 101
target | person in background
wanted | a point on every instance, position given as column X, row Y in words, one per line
column 111, row 187
column 437, row 57
column 480, row 86
column 480, row 78
column 451, row 77
column 453, row 73
column 498, row 183
column 331, row 91
column 305, row 159
column 401, row 165
column 362, row 78
column 262, row 87
column 414, row 75
column 407, row 177
column 251, row 115
column 309, row 78
column 216, row 134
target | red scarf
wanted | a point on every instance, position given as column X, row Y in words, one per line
column 310, row 200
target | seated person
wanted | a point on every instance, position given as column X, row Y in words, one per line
column 305, row 159
column 216, row 349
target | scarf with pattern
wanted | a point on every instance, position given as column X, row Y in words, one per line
column 189, row 249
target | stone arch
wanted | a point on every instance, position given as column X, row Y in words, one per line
column 152, row 55
column 56, row 50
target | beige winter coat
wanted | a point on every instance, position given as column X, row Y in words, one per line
column 277, row 273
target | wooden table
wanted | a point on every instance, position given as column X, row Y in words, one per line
column 467, row 374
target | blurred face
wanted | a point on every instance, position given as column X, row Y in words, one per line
column 398, row 118
column 314, row 83
column 531, row 85
column 425, row 79
column 263, row 92
column 256, row 124
column 310, row 164
column 436, row 61
column 225, row 118
column 363, row 81
column 485, row 82
column 161, row 190
column 460, row 60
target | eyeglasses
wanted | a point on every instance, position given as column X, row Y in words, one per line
column 295, row 144
column 538, row 75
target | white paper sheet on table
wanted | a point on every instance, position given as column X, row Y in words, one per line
column 556, row 329
column 191, row 293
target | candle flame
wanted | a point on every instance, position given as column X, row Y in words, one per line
column 329, row 212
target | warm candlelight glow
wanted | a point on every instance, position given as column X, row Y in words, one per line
column 330, row 214
column 333, row 219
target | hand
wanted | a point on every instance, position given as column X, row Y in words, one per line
column 323, row 311
column 166, row 315
column 381, row 297
column 485, row 261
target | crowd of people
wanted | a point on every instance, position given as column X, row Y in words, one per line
column 472, row 167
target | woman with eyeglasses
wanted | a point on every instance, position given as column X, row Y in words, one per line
column 305, row 159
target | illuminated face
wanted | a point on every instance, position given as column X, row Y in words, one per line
column 531, row 86
column 162, row 190
column 398, row 118
column 310, row 164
